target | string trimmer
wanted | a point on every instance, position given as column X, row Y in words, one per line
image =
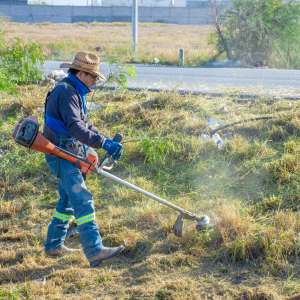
column 27, row 134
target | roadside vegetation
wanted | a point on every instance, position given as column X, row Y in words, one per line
column 19, row 63
column 259, row 32
column 158, row 43
column 250, row 188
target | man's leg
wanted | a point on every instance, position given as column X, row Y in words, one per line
column 82, row 203
column 73, row 187
column 58, row 227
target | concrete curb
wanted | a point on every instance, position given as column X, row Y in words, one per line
column 241, row 96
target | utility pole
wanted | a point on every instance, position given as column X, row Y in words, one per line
column 135, row 19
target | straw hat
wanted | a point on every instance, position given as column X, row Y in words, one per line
column 87, row 62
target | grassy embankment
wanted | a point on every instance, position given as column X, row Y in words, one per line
column 113, row 40
column 250, row 188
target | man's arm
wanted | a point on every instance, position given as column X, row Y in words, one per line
column 93, row 128
column 70, row 113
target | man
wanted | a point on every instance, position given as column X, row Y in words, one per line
column 66, row 126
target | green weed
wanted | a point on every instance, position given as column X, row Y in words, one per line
column 158, row 150
column 19, row 64
column 284, row 169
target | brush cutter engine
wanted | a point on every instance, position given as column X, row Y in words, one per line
column 26, row 131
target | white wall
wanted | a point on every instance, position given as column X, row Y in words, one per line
column 146, row 3
column 67, row 14
column 159, row 3
column 66, row 2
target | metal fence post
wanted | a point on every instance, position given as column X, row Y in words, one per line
column 135, row 27
column 181, row 57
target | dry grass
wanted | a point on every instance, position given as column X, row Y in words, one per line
column 114, row 40
column 253, row 250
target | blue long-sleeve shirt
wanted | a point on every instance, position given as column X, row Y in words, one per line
column 65, row 103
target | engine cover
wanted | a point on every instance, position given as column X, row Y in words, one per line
column 26, row 131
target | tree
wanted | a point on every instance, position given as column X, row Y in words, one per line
column 255, row 31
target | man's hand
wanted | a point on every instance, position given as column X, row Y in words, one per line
column 113, row 148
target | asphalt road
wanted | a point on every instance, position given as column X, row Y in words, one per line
column 210, row 80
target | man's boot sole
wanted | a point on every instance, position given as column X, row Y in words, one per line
column 97, row 263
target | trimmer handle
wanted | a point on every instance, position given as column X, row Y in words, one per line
column 107, row 162
column 118, row 138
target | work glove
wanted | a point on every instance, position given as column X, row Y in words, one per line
column 114, row 149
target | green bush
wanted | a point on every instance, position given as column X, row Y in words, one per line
column 19, row 64
column 263, row 32
column 119, row 73
column 5, row 83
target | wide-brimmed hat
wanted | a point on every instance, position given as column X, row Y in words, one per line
column 87, row 62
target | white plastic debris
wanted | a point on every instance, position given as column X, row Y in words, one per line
column 215, row 138
column 205, row 137
column 218, row 141
column 213, row 124
column 57, row 75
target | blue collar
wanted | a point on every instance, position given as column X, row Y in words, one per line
column 80, row 87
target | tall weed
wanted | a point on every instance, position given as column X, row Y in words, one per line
column 158, row 150
column 19, row 64
column 5, row 83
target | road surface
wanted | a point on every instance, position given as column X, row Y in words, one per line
column 210, row 80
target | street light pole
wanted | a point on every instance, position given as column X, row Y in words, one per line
column 135, row 26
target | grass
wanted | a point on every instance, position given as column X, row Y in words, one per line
column 113, row 40
column 250, row 188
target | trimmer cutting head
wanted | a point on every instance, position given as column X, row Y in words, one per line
column 202, row 224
